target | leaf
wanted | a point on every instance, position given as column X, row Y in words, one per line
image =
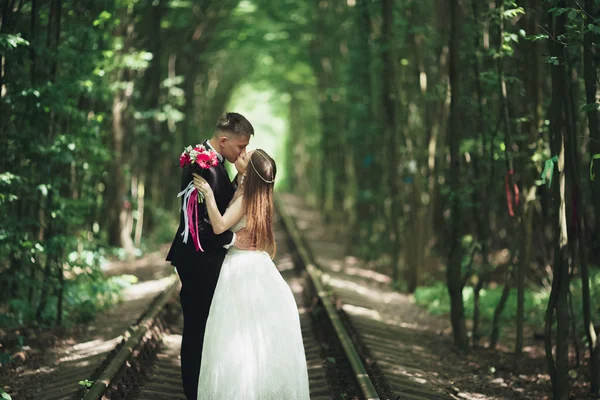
column 10, row 42
column 86, row 383
column 331, row 359
column 535, row 38
column 514, row 12
column 5, row 395
column 43, row 189
column 552, row 60
column 573, row 14
column 589, row 107
column 9, row 178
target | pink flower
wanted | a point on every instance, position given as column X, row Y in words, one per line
column 184, row 160
column 202, row 157
column 213, row 159
column 199, row 155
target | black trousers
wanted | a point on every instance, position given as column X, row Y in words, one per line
column 198, row 283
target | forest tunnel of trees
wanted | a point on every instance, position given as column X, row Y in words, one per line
column 457, row 140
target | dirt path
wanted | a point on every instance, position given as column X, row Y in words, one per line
column 408, row 345
column 53, row 372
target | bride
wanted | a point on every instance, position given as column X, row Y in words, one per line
column 253, row 343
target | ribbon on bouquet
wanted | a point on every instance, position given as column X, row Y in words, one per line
column 190, row 210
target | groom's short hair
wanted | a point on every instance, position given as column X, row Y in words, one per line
column 235, row 124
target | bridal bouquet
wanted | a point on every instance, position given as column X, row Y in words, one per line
column 198, row 158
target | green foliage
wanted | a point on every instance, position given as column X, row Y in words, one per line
column 166, row 228
column 539, row 36
column 56, row 127
column 5, row 395
column 86, row 297
column 11, row 42
column 436, row 301
column 86, row 292
column 86, row 383
column 590, row 107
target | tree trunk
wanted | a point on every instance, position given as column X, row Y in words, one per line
column 526, row 231
column 481, row 214
column 116, row 187
column 4, row 15
column 364, row 160
column 45, row 288
column 155, row 186
column 558, row 302
column 561, row 273
column 115, row 190
column 495, row 334
column 139, row 226
column 389, row 93
column 60, row 292
column 475, row 334
column 590, row 76
column 589, row 66
column 588, row 324
column 46, row 284
column 323, row 70
column 453, row 269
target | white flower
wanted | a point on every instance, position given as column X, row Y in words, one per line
column 188, row 149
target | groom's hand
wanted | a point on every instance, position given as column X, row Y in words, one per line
column 243, row 240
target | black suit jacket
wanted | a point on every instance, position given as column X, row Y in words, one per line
column 185, row 254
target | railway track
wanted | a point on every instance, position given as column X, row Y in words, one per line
column 146, row 365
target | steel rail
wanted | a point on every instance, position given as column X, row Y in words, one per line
column 135, row 335
column 315, row 273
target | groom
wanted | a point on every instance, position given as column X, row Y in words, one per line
column 199, row 271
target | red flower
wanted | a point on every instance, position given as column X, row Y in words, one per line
column 184, row 160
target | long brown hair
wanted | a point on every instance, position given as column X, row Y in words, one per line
column 258, row 200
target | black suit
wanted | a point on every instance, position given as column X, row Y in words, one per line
column 199, row 272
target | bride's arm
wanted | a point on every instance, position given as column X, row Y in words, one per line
column 220, row 223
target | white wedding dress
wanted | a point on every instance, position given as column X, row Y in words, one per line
column 253, row 346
